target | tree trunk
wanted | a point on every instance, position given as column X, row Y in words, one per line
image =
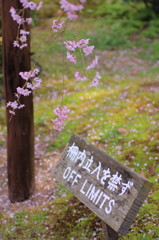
column 20, row 129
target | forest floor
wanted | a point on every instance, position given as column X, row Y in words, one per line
column 120, row 117
column 45, row 183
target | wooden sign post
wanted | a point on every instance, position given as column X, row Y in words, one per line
column 111, row 190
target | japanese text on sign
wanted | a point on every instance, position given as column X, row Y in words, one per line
column 112, row 181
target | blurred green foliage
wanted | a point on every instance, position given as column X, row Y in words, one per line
column 150, row 4
column 127, row 17
column 117, row 9
column 114, row 9
column 122, row 23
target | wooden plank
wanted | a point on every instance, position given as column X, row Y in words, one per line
column 20, row 139
column 115, row 198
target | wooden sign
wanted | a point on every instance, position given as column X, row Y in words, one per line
column 111, row 190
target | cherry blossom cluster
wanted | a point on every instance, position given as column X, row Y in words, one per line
column 71, row 46
column 71, row 9
column 62, row 114
column 82, row 44
column 95, row 80
column 21, row 42
column 80, row 77
column 14, row 106
column 31, row 5
column 56, row 25
column 30, row 77
column 18, row 17
column 31, row 83
column 86, row 50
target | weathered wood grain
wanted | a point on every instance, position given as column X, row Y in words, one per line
column 126, row 206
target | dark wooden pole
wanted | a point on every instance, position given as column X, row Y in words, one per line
column 20, row 138
column 109, row 233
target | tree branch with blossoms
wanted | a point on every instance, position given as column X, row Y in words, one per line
column 18, row 17
column 73, row 47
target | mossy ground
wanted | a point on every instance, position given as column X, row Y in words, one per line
column 120, row 116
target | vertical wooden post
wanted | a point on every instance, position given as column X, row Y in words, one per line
column 20, row 138
column 109, row 233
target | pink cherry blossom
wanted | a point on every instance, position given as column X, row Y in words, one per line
column 16, row 44
column 23, row 32
column 28, row 21
column 24, row 3
column 26, row 90
column 83, row 43
column 31, row 5
column 23, row 46
column 62, row 114
column 72, row 15
column 71, row 57
column 69, row 7
column 23, row 38
column 57, row 124
column 29, row 85
column 22, row 91
column 80, row 77
column 97, row 75
column 25, row 75
column 93, row 64
column 20, row 20
column 12, row 112
column 18, row 16
column 95, row 81
column 71, row 45
column 21, row 106
column 56, row 25
column 39, row 6
column 30, row 74
column 13, row 105
column 36, row 83
column 88, row 50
